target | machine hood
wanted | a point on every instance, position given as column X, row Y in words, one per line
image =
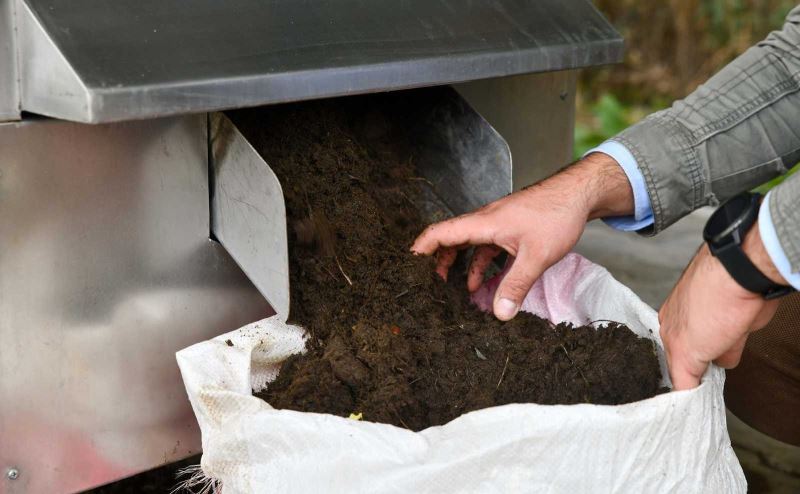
column 100, row 61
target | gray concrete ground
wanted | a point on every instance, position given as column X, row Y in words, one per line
column 650, row 267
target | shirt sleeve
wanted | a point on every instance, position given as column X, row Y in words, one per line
column 734, row 132
column 769, row 236
column 643, row 211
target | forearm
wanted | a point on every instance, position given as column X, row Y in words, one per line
column 602, row 187
column 731, row 134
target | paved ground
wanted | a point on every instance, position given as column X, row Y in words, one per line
column 650, row 266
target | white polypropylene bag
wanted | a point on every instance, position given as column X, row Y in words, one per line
column 674, row 442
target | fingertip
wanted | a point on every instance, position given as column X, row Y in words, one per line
column 517, row 283
column 505, row 309
column 474, row 279
column 418, row 248
column 445, row 257
column 682, row 380
column 424, row 244
column 481, row 260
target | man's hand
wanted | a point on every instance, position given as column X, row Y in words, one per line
column 708, row 315
column 537, row 226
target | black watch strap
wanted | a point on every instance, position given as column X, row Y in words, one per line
column 742, row 269
column 725, row 232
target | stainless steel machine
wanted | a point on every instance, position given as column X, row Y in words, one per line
column 117, row 171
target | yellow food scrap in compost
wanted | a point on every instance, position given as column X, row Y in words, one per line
column 356, row 416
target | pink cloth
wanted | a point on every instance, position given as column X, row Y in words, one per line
column 553, row 294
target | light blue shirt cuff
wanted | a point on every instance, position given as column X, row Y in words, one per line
column 773, row 246
column 642, row 210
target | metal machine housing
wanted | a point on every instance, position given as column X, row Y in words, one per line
column 115, row 175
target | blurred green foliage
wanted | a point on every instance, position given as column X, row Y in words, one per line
column 610, row 116
column 672, row 46
column 604, row 118
column 763, row 189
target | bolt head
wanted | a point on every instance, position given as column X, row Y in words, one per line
column 12, row 474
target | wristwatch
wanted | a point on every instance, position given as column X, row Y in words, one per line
column 725, row 233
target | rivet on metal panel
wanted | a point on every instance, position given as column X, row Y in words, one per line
column 12, row 474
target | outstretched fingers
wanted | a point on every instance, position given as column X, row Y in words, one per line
column 469, row 229
column 525, row 270
column 685, row 366
column 445, row 257
column 684, row 370
column 481, row 259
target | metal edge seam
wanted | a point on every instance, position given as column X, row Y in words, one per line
column 103, row 98
column 86, row 96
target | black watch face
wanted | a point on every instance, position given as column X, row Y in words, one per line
column 729, row 217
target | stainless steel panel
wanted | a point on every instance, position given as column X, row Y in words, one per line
column 464, row 159
column 248, row 213
column 9, row 92
column 46, row 78
column 535, row 114
column 149, row 58
column 457, row 151
column 105, row 271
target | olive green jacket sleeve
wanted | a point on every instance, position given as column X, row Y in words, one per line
column 733, row 133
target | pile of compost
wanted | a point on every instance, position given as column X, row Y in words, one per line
column 388, row 338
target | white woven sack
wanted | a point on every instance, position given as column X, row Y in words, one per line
column 675, row 442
